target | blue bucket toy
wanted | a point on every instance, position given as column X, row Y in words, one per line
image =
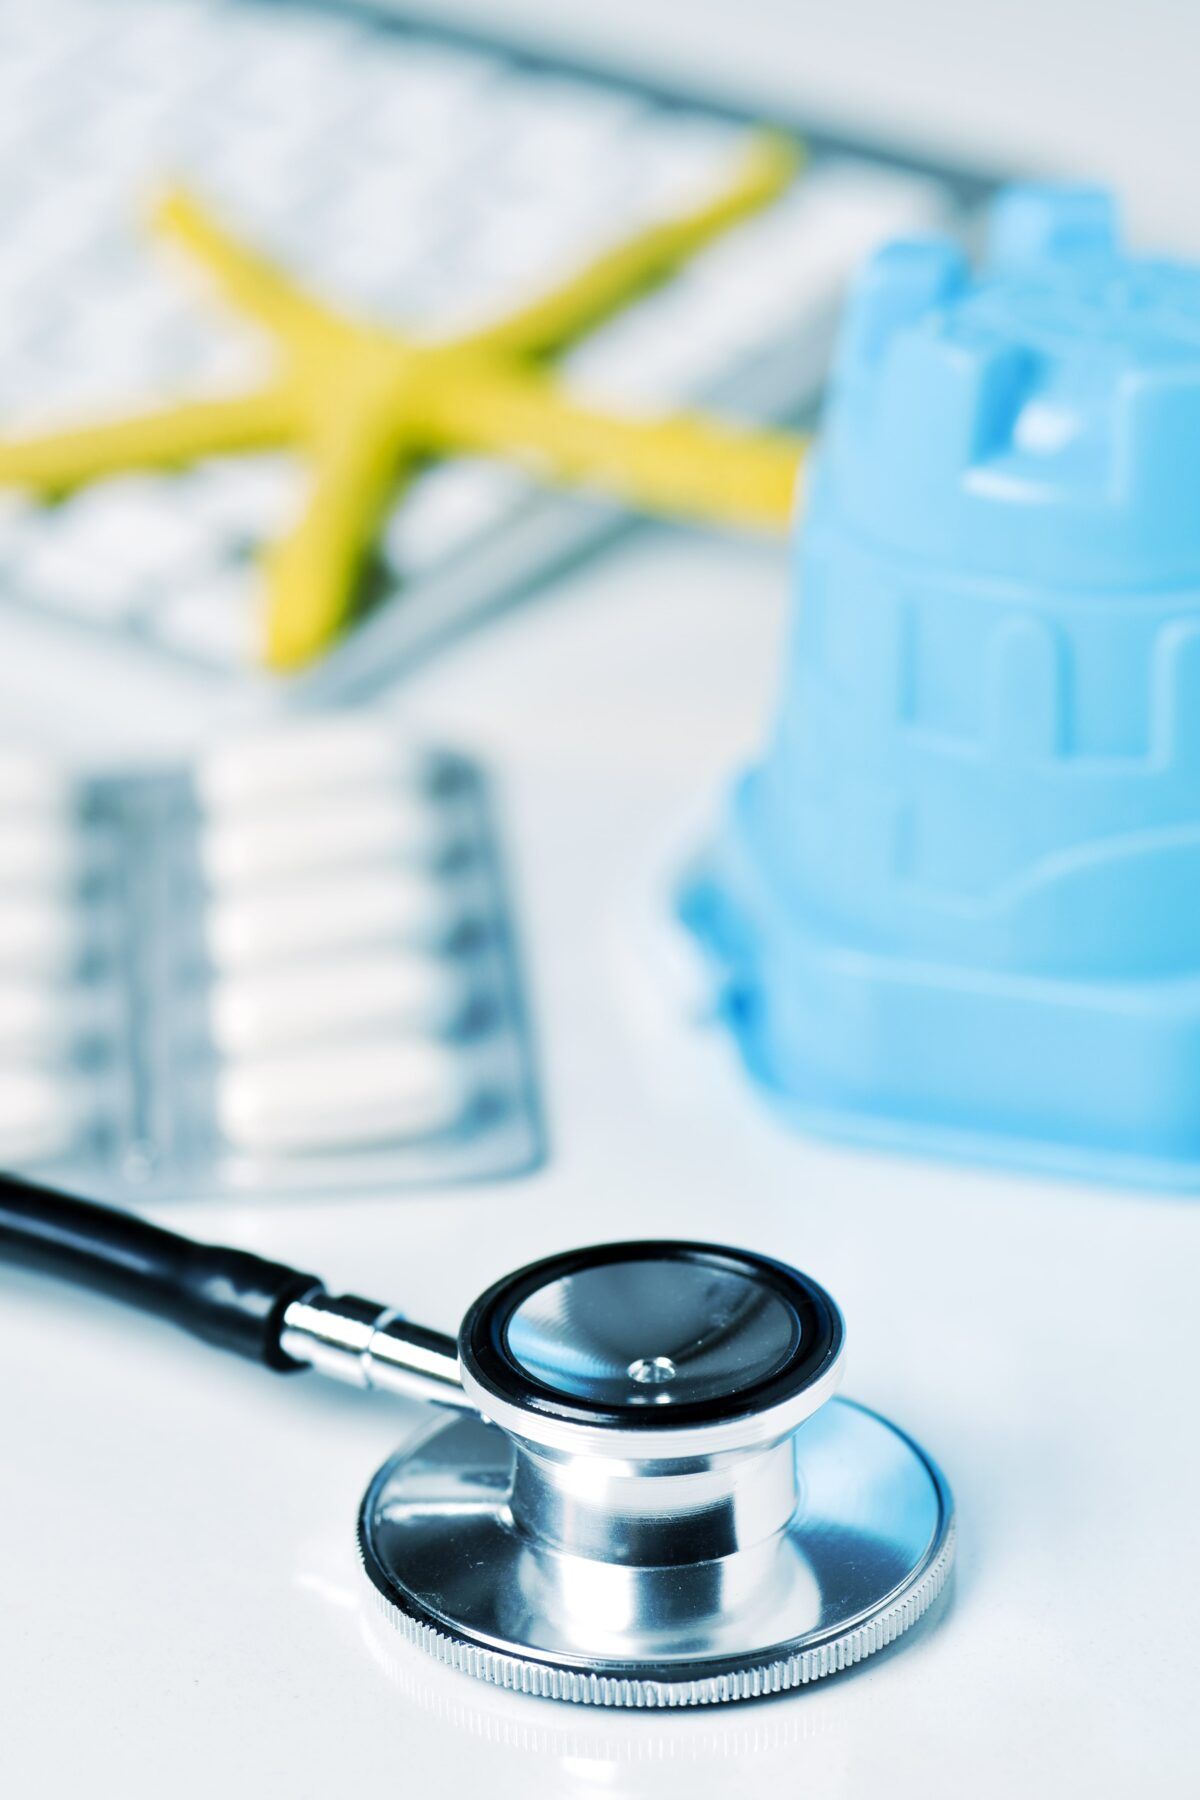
column 956, row 904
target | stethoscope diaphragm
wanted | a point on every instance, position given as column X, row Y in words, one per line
column 661, row 1504
column 646, row 1493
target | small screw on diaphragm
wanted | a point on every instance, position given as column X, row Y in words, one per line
column 651, row 1371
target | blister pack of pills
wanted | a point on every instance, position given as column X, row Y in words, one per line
column 287, row 966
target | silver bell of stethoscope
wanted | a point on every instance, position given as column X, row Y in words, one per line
column 646, row 1494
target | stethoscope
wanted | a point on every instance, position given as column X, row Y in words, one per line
column 644, row 1492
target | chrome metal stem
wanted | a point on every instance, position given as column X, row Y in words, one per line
column 693, row 1510
column 368, row 1345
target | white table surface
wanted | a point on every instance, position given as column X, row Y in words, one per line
column 180, row 1607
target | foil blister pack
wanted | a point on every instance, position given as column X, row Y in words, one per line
column 289, row 965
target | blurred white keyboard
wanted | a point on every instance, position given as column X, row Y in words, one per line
column 420, row 178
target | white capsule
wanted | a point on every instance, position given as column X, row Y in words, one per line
column 30, row 783
column 401, row 990
column 305, row 757
column 39, row 853
column 40, row 1115
column 338, row 912
column 356, row 1095
column 39, row 936
column 385, row 825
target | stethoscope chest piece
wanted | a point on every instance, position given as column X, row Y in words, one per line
column 661, row 1504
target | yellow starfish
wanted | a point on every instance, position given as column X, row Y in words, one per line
column 367, row 406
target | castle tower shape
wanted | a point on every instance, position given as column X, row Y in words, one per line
column 958, row 900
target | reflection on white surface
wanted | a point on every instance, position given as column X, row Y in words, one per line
column 463, row 1723
column 617, row 1752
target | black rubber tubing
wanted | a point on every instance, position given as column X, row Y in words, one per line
column 229, row 1298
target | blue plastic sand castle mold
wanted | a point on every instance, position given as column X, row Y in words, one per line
column 958, row 901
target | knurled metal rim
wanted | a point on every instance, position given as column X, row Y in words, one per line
column 777, row 1675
